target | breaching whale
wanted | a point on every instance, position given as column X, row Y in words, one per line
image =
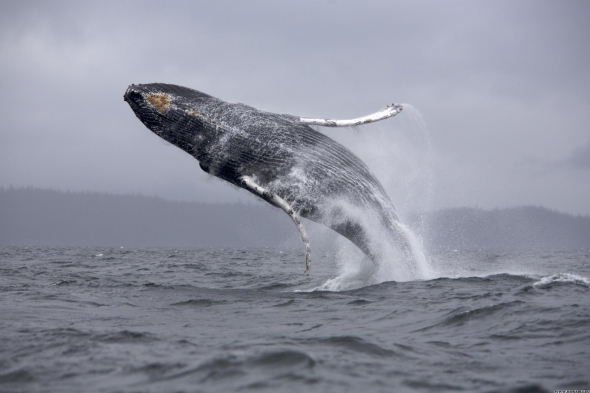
column 278, row 158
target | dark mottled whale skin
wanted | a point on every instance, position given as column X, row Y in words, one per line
column 318, row 177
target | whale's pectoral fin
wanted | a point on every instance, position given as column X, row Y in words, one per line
column 279, row 202
column 387, row 112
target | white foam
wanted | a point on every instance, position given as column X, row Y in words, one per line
column 356, row 271
column 562, row 277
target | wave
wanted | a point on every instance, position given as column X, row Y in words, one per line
column 275, row 364
column 199, row 303
column 364, row 276
column 351, row 343
column 569, row 278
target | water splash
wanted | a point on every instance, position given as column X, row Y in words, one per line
column 423, row 267
column 401, row 156
column 562, row 278
column 425, row 168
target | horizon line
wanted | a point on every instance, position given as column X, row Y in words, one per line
column 139, row 194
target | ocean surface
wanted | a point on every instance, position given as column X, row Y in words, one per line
column 220, row 320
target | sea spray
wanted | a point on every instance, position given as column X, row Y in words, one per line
column 393, row 263
column 416, row 126
column 355, row 269
column 417, row 248
column 401, row 156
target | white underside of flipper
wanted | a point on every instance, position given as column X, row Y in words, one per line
column 387, row 112
column 279, row 202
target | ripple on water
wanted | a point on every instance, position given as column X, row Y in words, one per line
column 126, row 336
column 351, row 343
column 274, row 364
column 465, row 316
column 165, row 324
column 199, row 303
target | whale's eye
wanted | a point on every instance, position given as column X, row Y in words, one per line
column 159, row 101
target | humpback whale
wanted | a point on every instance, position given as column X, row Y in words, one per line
column 277, row 157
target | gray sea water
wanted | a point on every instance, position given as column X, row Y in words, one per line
column 219, row 320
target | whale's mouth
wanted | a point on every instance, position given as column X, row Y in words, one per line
column 148, row 106
column 131, row 95
column 135, row 96
column 160, row 101
column 164, row 89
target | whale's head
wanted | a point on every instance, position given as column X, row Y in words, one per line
column 171, row 112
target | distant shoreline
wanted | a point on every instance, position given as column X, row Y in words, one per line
column 41, row 217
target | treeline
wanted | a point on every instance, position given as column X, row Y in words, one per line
column 30, row 216
column 526, row 227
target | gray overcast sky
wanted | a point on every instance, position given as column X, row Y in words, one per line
column 503, row 87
